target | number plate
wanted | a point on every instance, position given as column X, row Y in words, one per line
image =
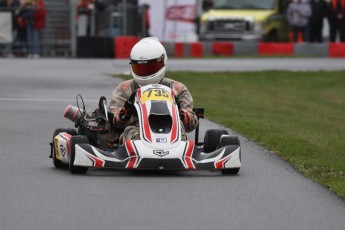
column 155, row 94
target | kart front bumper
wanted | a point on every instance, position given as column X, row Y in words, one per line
column 134, row 156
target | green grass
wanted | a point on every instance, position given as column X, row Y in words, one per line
column 298, row 115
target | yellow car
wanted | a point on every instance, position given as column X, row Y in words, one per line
column 261, row 20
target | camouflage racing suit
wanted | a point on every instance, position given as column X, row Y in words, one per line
column 131, row 127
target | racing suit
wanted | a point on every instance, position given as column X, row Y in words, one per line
column 131, row 127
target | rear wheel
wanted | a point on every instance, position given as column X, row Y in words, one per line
column 212, row 139
column 57, row 163
column 79, row 139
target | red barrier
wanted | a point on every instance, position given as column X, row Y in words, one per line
column 124, row 45
column 179, row 50
column 223, row 48
column 196, row 50
column 336, row 50
column 276, row 49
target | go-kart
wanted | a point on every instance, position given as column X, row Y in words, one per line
column 97, row 143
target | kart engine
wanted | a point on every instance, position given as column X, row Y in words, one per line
column 96, row 126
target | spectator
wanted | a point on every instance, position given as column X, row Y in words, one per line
column 89, row 16
column 21, row 29
column 10, row 5
column 34, row 13
column 298, row 14
column 147, row 20
column 336, row 19
column 319, row 12
column 85, row 8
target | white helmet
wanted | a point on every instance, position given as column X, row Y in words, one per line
column 148, row 61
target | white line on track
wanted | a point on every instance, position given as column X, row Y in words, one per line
column 42, row 99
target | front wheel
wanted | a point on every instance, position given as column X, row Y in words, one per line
column 229, row 140
column 232, row 171
column 212, row 139
column 79, row 139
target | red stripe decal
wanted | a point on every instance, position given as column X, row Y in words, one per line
column 97, row 162
column 147, row 131
column 221, row 163
column 66, row 135
column 131, row 153
column 68, row 147
column 174, row 127
column 139, row 94
column 173, row 95
column 188, row 156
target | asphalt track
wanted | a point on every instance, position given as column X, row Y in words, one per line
column 267, row 193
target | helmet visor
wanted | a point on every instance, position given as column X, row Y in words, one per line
column 145, row 68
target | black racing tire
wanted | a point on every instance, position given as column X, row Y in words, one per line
column 79, row 139
column 212, row 139
column 229, row 140
column 232, row 171
column 57, row 163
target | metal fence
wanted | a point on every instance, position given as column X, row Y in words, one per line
column 56, row 38
column 123, row 19
column 64, row 22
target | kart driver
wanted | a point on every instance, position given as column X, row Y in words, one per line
column 148, row 60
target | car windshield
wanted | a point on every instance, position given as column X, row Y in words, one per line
column 244, row 4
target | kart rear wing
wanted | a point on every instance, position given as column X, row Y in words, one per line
column 200, row 114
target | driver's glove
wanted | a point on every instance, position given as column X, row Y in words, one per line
column 127, row 111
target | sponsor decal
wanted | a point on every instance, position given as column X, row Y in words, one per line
column 160, row 153
column 182, row 13
column 62, row 150
column 161, row 140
